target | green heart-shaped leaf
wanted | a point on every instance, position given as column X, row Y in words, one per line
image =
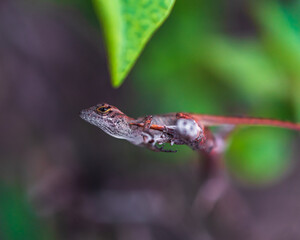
column 127, row 26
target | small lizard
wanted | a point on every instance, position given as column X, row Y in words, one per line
column 174, row 128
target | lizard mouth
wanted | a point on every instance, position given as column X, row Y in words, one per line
column 83, row 114
column 91, row 117
column 86, row 114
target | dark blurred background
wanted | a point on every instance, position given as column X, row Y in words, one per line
column 61, row 178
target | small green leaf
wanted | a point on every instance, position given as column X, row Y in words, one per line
column 127, row 26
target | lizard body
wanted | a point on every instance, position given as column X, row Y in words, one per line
column 174, row 128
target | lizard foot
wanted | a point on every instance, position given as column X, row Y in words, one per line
column 161, row 149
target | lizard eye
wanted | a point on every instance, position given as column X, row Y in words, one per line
column 102, row 109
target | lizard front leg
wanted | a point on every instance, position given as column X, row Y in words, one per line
column 145, row 123
column 156, row 148
column 141, row 123
column 148, row 137
column 152, row 144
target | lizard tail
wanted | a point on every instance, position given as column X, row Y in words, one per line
column 208, row 120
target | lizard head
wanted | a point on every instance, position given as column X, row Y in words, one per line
column 109, row 118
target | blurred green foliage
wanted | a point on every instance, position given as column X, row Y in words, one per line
column 260, row 155
column 17, row 218
column 127, row 26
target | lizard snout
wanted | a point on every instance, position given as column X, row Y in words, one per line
column 84, row 113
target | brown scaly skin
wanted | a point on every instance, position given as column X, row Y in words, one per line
column 117, row 124
column 174, row 128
